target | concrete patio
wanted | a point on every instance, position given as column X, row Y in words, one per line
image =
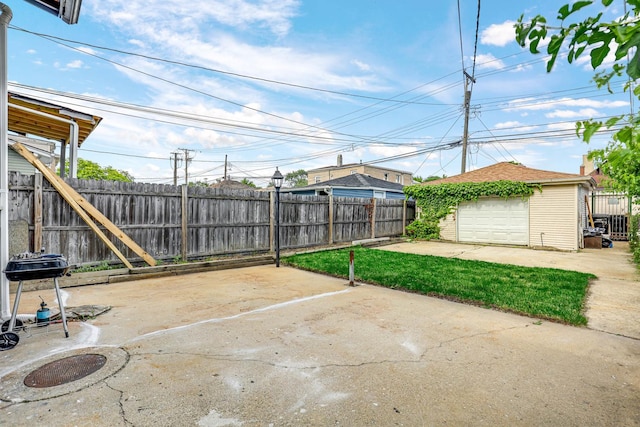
column 266, row 346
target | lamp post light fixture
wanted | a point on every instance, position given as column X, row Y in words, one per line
column 276, row 180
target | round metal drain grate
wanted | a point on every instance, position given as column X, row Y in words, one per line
column 65, row 370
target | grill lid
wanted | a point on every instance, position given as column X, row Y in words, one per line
column 31, row 266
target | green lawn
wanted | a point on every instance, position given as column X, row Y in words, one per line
column 545, row 293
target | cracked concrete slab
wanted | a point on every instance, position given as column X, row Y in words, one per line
column 264, row 346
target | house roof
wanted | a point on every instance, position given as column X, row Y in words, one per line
column 506, row 171
column 356, row 180
column 354, row 165
column 30, row 123
column 600, row 178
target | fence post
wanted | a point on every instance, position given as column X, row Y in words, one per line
column 272, row 217
column 404, row 217
column 37, row 212
column 185, row 221
column 373, row 218
column 330, row 219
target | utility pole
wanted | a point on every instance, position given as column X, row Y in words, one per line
column 467, row 107
column 185, row 204
column 225, row 167
column 175, row 157
column 187, row 159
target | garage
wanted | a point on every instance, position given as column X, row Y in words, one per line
column 554, row 216
column 494, row 220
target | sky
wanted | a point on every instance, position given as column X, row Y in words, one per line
column 294, row 83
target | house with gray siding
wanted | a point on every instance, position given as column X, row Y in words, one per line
column 354, row 185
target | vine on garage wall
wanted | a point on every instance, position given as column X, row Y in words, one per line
column 437, row 201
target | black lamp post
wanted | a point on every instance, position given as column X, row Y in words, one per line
column 277, row 179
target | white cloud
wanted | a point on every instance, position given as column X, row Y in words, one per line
column 488, row 61
column 388, row 151
column 31, row 51
column 274, row 16
column 87, row 50
column 499, row 34
column 562, row 126
column 572, row 114
column 521, row 127
column 361, row 65
column 138, row 43
column 506, row 125
column 75, row 64
column 537, row 104
column 192, row 36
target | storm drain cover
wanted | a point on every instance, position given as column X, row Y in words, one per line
column 65, row 370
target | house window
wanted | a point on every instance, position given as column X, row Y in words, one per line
column 378, row 194
column 398, row 179
column 317, row 179
column 386, row 177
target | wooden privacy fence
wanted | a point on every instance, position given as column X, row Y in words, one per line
column 171, row 222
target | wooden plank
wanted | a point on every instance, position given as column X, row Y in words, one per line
column 63, row 190
column 586, row 201
column 107, row 223
column 96, row 214
column 37, row 212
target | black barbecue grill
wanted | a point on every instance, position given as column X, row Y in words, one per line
column 36, row 266
column 32, row 266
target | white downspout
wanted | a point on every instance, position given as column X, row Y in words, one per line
column 5, row 18
column 75, row 132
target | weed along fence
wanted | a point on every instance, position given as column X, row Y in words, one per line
column 176, row 222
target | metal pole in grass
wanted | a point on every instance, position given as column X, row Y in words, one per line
column 277, row 179
column 351, row 269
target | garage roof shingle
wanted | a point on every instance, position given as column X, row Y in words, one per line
column 506, row 171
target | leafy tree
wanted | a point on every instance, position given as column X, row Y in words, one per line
column 296, row 178
column 92, row 170
column 620, row 159
column 198, row 184
column 248, row 182
column 427, row 179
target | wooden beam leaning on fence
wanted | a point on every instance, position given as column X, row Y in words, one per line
column 83, row 208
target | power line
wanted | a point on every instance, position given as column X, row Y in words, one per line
column 58, row 40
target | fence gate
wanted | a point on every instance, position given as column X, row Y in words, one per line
column 612, row 211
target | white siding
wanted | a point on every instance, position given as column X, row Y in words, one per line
column 448, row 227
column 17, row 163
column 555, row 217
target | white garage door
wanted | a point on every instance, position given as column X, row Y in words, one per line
column 494, row 221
